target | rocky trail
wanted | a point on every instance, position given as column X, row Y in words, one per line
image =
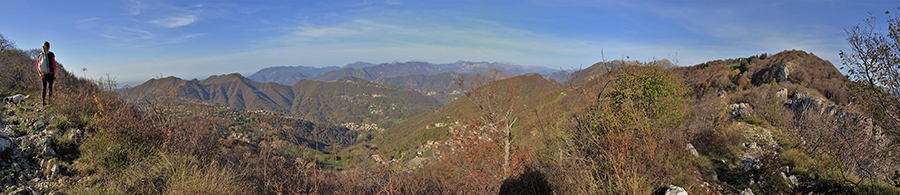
column 36, row 153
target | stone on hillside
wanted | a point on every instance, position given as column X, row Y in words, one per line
column 75, row 135
column 802, row 102
column 45, row 142
column 675, row 190
column 25, row 151
column 751, row 164
column 793, row 180
column 48, row 152
column 693, row 150
column 751, row 159
column 5, row 144
column 54, row 170
column 782, row 93
column 740, row 110
column 747, row 191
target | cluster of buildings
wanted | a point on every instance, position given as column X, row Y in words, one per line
column 362, row 126
column 239, row 136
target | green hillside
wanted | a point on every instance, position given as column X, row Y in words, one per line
column 356, row 100
column 530, row 90
column 342, row 101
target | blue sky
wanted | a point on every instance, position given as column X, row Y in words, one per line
column 137, row 40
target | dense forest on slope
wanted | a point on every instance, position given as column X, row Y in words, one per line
column 341, row 101
column 288, row 75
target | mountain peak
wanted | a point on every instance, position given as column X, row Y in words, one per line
column 358, row 65
column 225, row 78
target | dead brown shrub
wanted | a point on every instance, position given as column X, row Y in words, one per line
column 627, row 136
column 195, row 136
column 853, row 140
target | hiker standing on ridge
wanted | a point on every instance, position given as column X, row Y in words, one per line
column 46, row 65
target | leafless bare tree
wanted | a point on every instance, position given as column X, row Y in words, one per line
column 497, row 113
column 874, row 65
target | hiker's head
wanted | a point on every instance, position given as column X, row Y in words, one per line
column 46, row 46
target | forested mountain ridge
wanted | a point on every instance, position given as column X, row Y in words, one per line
column 445, row 86
column 288, row 75
column 382, row 70
column 346, row 100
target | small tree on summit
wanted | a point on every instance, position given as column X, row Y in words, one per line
column 6, row 44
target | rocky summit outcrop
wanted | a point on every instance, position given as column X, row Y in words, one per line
column 29, row 164
column 803, row 102
column 740, row 111
column 783, row 71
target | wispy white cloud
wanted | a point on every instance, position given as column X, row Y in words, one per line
column 733, row 33
column 312, row 32
column 127, row 37
column 384, row 40
column 354, row 29
column 179, row 38
column 135, row 7
column 381, row 2
column 137, row 33
column 175, row 21
column 147, row 24
column 88, row 19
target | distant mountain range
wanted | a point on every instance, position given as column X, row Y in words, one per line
column 288, row 75
column 344, row 100
column 382, row 70
column 445, row 86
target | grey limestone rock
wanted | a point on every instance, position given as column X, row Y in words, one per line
column 740, row 110
column 5, row 144
column 48, row 152
column 784, row 70
column 782, row 93
column 675, row 190
column 747, row 191
column 693, row 150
